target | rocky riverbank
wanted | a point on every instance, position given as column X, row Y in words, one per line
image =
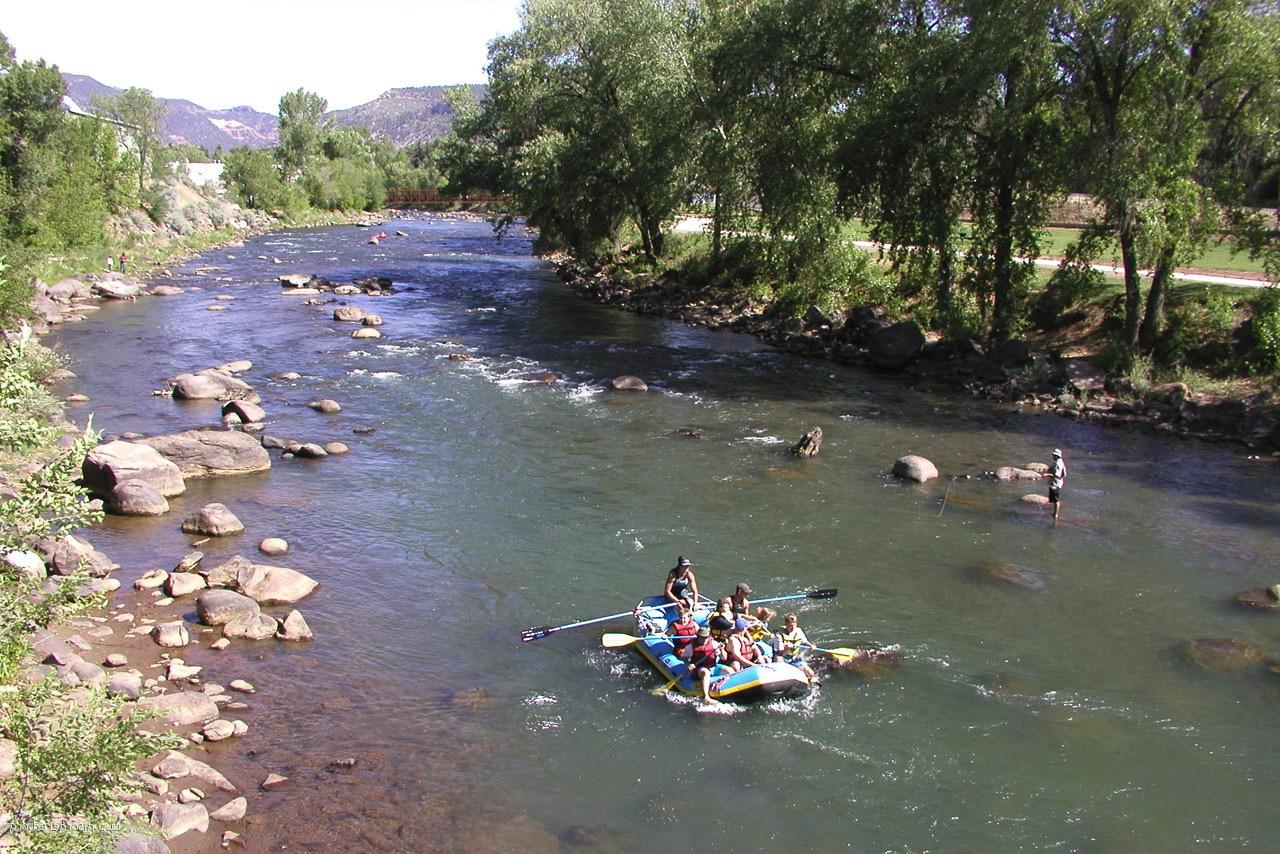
column 158, row 646
column 1011, row 373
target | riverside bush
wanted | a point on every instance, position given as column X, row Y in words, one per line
column 1199, row 332
column 26, row 407
column 1266, row 332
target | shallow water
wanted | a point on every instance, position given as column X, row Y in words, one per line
column 484, row 504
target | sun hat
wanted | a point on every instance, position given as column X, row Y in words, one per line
column 1057, row 452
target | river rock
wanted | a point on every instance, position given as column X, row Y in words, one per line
column 127, row 685
column 272, row 585
column 173, row 820
column 88, row 672
column 912, row 467
column 544, row 377
column 151, row 579
column 8, row 758
column 67, row 290
column 273, row 781
column 218, row 730
column 1035, row 498
column 273, row 442
column 309, row 450
column 896, row 346
column 286, row 376
column 190, row 796
column 172, row 635
column 1008, row 473
column 325, row 405
column 179, row 670
column 116, row 659
column 274, row 546
column 294, row 628
column 1260, row 598
column 225, row 575
column 372, row 320
column 213, row 520
column 218, row 607
column 233, row 810
column 113, row 463
column 348, row 314
column 166, row 291
column 242, row 686
column 295, row 280
column 627, row 382
column 206, row 453
column 183, row 708
column 248, row 413
column 347, row 290
column 809, row 445
column 26, row 562
column 198, row 387
column 1222, row 653
column 252, row 626
column 189, row 562
column 335, row 448
column 1013, row 574
column 366, row 332
column 137, row 498
column 68, row 555
column 1038, row 468
column 183, row 583
column 117, row 288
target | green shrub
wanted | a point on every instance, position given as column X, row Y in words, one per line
column 26, row 407
column 1265, row 326
column 1199, row 332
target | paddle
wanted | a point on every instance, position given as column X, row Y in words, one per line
column 665, row 688
column 540, row 632
column 842, row 654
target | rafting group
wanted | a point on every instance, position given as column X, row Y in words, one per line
column 723, row 649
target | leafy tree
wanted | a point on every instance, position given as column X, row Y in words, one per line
column 30, row 113
column 302, row 131
column 254, row 177
column 143, row 119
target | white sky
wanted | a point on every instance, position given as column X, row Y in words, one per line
column 225, row 53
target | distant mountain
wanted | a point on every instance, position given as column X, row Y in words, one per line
column 191, row 123
column 405, row 115
column 400, row 115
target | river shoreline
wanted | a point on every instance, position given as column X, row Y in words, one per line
column 1013, row 375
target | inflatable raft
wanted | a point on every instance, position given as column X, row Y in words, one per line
column 762, row 682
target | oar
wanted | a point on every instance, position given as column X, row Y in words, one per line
column 841, row 654
column 614, row 640
column 665, row 688
column 540, row 632
column 826, row 593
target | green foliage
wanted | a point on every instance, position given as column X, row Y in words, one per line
column 142, row 123
column 1265, row 326
column 26, row 406
column 302, row 131
column 1199, row 332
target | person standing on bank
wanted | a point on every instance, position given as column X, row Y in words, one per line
column 1057, row 477
column 681, row 586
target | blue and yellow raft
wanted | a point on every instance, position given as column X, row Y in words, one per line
column 762, row 682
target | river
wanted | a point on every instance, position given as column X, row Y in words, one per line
column 484, row 504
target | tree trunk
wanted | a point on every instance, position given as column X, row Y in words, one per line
column 1155, row 299
column 716, row 234
column 1132, row 284
column 1003, row 273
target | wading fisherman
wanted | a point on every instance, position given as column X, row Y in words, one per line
column 681, row 585
column 1057, row 477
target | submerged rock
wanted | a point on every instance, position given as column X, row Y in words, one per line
column 1222, row 653
column 809, row 445
column 627, row 382
column 326, row 406
column 1007, row 473
column 1260, row 598
column 1010, row 573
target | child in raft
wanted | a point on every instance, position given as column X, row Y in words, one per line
column 683, row 630
column 789, row 645
column 703, row 655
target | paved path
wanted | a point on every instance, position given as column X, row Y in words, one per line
column 700, row 224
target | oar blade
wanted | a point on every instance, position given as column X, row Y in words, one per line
column 614, row 640
column 844, row 654
column 658, row 692
column 537, row 633
column 825, row 593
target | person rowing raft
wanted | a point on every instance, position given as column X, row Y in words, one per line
column 790, row 645
column 681, row 586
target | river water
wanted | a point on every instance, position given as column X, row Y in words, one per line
column 484, row 504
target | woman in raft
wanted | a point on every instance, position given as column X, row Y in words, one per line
column 681, row 585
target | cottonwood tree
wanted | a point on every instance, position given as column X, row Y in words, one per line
column 142, row 118
column 302, row 131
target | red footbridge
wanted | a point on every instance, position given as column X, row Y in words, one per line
column 436, row 200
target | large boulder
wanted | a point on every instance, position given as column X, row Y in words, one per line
column 115, row 462
column 226, row 574
column 117, row 288
column 176, row 766
column 1007, row 473
column 325, row 405
column 27, row 563
column 212, row 384
column 912, row 467
column 219, row 607
column 896, row 346
column 1222, row 653
column 205, row 453
column 137, row 498
column 273, row 585
column 67, row 555
column 348, row 314
column 212, row 520
column 182, row 709
column 295, row 280
column 294, row 628
column 67, row 290
column 184, row 583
